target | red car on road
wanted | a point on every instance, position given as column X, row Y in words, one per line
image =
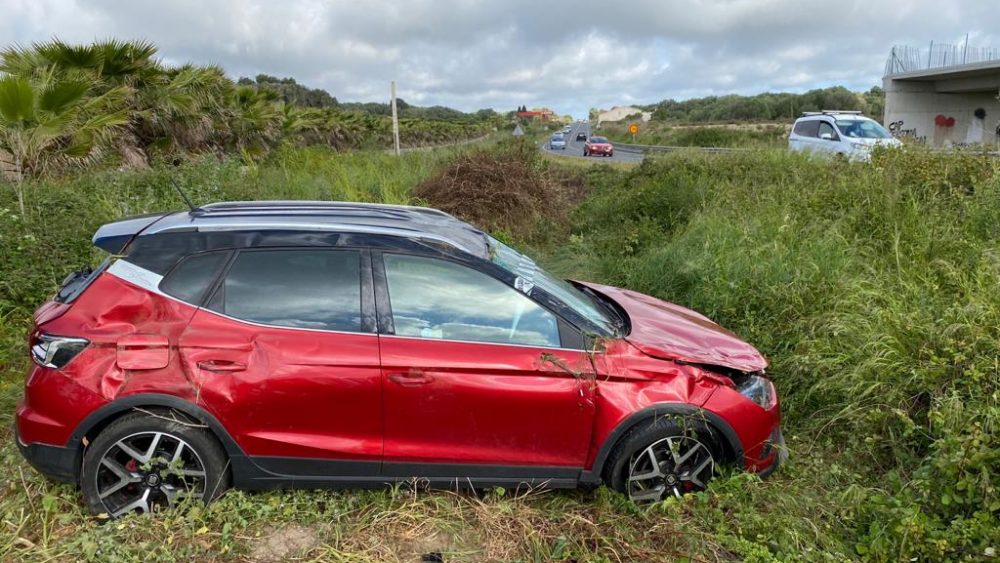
column 599, row 146
column 313, row 344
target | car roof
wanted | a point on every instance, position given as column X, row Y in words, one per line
column 330, row 216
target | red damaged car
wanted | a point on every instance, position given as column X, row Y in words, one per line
column 599, row 146
column 312, row 344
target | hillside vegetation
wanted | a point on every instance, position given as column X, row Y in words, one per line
column 871, row 287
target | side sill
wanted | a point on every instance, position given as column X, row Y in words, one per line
column 257, row 473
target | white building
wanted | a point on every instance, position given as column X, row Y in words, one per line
column 618, row 113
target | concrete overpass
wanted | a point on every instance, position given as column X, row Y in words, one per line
column 943, row 97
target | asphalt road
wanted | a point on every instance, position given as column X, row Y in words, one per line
column 574, row 148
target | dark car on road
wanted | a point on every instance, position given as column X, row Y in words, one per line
column 598, row 146
column 581, row 136
column 323, row 344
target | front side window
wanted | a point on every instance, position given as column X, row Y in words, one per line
column 437, row 299
column 317, row 289
column 827, row 129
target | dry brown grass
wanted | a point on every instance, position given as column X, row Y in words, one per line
column 507, row 187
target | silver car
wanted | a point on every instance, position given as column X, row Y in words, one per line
column 557, row 142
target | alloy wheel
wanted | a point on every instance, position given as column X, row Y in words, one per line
column 671, row 466
column 148, row 470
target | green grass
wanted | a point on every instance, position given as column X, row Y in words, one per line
column 872, row 289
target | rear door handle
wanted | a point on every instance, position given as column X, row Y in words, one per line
column 221, row 366
column 410, row 378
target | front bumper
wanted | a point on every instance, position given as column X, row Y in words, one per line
column 780, row 455
column 55, row 462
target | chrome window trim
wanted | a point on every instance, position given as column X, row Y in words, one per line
column 481, row 343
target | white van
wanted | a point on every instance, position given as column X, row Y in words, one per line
column 845, row 133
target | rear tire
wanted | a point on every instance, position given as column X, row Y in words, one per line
column 149, row 461
column 663, row 456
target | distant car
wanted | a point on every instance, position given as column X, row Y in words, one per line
column 567, row 129
column 581, row 136
column 598, row 146
column 557, row 142
column 844, row 133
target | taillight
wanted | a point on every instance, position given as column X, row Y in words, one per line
column 51, row 351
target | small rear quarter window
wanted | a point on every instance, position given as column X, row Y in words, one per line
column 192, row 276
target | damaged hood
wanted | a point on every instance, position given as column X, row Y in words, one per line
column 668, row 331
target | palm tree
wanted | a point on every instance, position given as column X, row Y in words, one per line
column 46, row 120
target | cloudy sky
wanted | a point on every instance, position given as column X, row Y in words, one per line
column 569, row 56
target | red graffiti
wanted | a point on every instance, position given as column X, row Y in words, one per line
column 944, row 121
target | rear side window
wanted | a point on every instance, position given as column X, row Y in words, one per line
column 191, row 278
column 807, row 128
column 317, row 289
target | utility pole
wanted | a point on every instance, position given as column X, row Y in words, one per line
column 395, row 119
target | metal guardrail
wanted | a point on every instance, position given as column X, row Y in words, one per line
column 903, row 58
column 626, row 147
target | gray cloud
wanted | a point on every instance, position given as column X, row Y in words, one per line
column 567, row 55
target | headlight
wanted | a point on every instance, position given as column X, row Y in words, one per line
column 758, row 389
column 52, row 351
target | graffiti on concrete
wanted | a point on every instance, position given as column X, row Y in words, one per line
column 897, row 129
column 974, row 135
column 944, row 127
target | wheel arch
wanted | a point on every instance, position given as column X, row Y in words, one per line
column 96, row 421
column 730, row 440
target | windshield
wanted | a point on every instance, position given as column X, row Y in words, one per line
column 530, row 276
column 598, row 140
column 557, row 137
column 862, row 129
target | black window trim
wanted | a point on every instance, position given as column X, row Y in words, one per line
column 368, row 324
column 569, row 334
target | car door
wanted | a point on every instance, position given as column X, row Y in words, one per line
column 286, row 356
column 805, row 134
column 476, row 383
column 828, row 139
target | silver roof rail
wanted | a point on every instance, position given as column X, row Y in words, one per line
column 832, row 112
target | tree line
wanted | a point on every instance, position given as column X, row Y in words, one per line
column 768, row 106
column 64, row 105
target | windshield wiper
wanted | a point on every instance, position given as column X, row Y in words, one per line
column 617, row 318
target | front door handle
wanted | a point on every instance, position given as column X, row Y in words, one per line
column 221, row 366
column 410, row 378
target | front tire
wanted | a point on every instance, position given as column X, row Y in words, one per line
column 149, row 461
column 663, row 457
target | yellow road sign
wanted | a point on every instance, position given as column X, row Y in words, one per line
column 633, row 128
